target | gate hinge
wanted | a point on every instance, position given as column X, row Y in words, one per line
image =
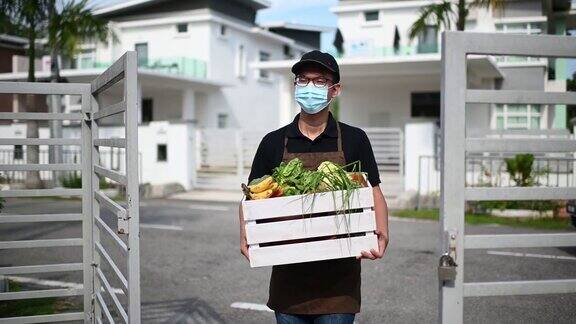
column 87, row 116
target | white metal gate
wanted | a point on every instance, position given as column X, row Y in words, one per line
column 110, row 247
column 455, row 94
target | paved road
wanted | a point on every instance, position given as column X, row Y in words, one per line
column 192, row 270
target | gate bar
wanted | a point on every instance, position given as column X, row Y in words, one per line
column 65, row 317
column 4, row 245
column 519, row 193
column 41, row 167
column 39, row 218
column 528, row 287
column 110, row 142
column 519, row 240
column 106, row 256
column 522, row 145
column 112, row 75
column 107, row 228
column 40, row 141
column 110, row 204
column 64, row 267
column 104, row 307
column 43, row 88
column 31, row 294
column 40, row 193
column 110, row 174
column 110, row 291
column 520, row 96
column 117, row 108
column 41, row 116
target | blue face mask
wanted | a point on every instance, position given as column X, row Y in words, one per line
column 311, row 98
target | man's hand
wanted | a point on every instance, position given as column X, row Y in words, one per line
column 244, row 248
column 373, row 254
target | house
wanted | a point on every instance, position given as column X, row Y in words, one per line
column 194, row 82
column 391, row 85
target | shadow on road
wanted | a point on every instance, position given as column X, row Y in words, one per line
column 180, row 311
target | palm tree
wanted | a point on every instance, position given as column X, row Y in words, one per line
column 446, row 13
column 28, row 17
column 69, row 24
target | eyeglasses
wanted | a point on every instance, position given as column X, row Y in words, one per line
column 319, row 82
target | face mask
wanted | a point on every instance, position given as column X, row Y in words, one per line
column 311, row 98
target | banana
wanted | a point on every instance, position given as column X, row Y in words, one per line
column 262, row 185
column 262, row 195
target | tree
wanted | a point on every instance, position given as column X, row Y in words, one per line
column 29, row 17
column 443, row 15
column 70, row 23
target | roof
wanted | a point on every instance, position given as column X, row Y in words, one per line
column 296, row 26
column 422, row 64
column 146, row 77
column 126, row 6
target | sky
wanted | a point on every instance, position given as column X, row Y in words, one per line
column 311, row 12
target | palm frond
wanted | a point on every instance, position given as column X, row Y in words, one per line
column 441, row 15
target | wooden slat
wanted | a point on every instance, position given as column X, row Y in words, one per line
column 110, row 174
column 40, row 141
column 310, row 227
column 30, row 294
column 110, row 142
column 54, row 318
column 519, row 193
column 311, row 251
column 45, row 268
column 40, row 192
column 117, row 108
column 41, row 116
column 305, row 204
column 4, row 245
column 41, row 167
column 5, row 218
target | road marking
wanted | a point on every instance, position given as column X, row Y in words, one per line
column 531, row 255
column 251, row 306
column 208, row 207
column 162, row 227
column 54, row 283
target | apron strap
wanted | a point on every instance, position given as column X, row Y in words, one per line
column 339, row 139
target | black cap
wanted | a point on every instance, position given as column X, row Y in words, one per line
column 324, row 59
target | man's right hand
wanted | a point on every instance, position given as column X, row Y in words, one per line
column 243, row 240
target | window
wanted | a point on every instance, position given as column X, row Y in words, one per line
column 182, row 28
column 241, row 61
column 162, row 153
column 425, row 104
column 517, row 116
column 18, row 152
column 264, row 74
column 222, row 31
column 142, row 53
column 288, row 54
column 525, row 28
column 147, row 110
column 371, row 16
column 428, row 40
column 85, row 59
column 222, row 120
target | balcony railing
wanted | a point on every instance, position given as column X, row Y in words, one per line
column 390, row 51
column 183, row 66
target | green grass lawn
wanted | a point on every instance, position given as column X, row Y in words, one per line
column 479, row 219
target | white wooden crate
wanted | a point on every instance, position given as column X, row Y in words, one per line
column 359, row 219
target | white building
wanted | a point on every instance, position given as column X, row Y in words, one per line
column 195, row 83
column 396, row 89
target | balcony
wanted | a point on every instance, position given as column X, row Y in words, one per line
column 182, row 66
column 360, row 50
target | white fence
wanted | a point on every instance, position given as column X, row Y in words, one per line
column 232, row 150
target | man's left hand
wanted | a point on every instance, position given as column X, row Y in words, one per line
column 373, row 254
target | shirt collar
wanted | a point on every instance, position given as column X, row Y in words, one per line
column 330, row 131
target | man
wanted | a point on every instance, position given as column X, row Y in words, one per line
column 322, row 291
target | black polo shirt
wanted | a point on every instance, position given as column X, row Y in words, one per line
column 355, row 144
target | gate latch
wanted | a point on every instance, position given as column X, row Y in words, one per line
column 447, row 263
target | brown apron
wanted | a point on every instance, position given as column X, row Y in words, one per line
column 319, row 287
